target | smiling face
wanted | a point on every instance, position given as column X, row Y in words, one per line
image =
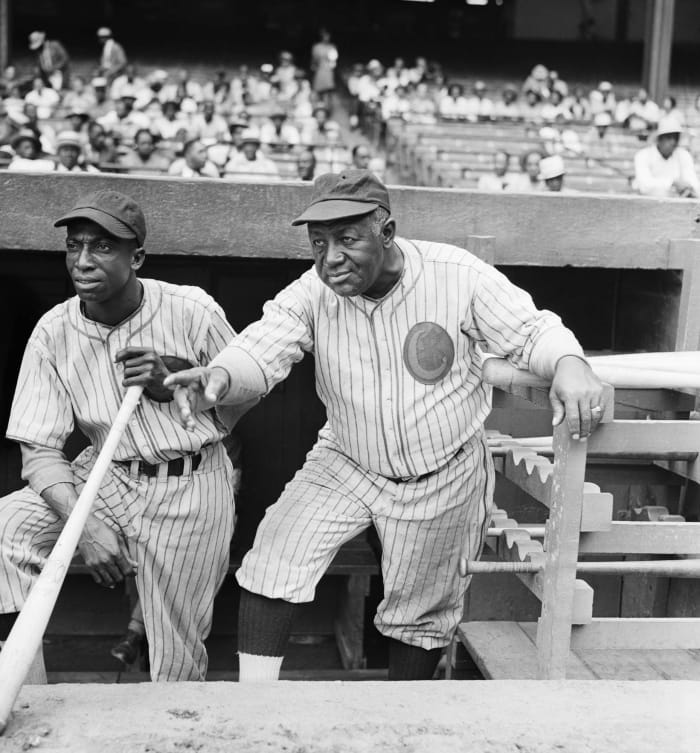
column 352, row 258
column 101, row 266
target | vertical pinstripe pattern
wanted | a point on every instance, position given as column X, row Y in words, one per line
column 381, row 416
column 424, row 526
column 177, row 528
column 178, row 531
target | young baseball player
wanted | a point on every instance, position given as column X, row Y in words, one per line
column 397, row 329
column 166, row 506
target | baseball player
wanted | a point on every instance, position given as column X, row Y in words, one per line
column 166, row 506
column 397, row 328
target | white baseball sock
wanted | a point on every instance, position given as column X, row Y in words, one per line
column 255, row 668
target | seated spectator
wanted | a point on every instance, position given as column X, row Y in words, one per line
column 218, row 90
column 44, row 132
column 306, row 165
column 128, row 81
column 69, row 150
column 453, row 106
column 151, row 93
column 8, row 80
column 537, row 82
column 170, row 121
column 183, row 88
column 43, row 97
column 208, row 126
column 508, row 108
column 315, row 132
column 78, row 120
column 529, row 178
column 531, row 108
column 79, row 96
column 423, row 108
column 143, row 159
column 500, row 178
column 479, row 106
column 100, row 150
column 555, row 84
column 250, row 164
column 419, row 72
column 552, row 172
column 665, row 168
column 555, row 111
column 670, row 107
column 361, row 156
column 15, row 104
column 28, row 154
column 578, row 105
column 398, row 75
column 396, row 105
column 123, row 121
column 194, row 162
column 643, row 114
column 277, row 134
column 332, row 155
column 603, row 99
column 103, row 104
column 8, row 127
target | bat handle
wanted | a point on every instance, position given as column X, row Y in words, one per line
column 25, row 637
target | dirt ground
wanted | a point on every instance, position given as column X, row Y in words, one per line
column 324, row 717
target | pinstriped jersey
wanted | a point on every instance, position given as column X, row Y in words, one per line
column 69, row 376
column 401, row 377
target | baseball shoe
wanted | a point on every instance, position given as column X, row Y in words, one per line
column 127, row 650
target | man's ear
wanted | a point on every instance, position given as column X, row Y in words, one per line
column 389, row 232
column 138, row 257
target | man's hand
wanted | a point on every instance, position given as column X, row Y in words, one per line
column 684, row 189
column 105, row 553
column 576, row 394
column 197, row 390
column 143, row 366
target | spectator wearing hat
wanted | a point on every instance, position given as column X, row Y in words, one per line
column 113, row 59
column 194, row 162
column 665, row 168
column 250, row 165
column 552, row 172
column 43, row 97
column 144, row 159
column 69, row 153
column 52, row 59
column 208, row 125
column 277, row 134
column 29, row 157
column 603, row 99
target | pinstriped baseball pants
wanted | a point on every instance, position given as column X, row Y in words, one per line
column 424, row 527
column 178, row 530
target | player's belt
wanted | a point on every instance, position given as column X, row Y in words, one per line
column 175, row 467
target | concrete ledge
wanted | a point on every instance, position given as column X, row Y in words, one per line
column 493, row 717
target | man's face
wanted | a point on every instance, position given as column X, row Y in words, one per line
column 68, row 156
column 305, row 166
column 500, row 163
column 532, row 165
column 361, row 158
column 555, row 184
column 97, row 136
column 145, row 145
column 667, row 143
column 208, row 110
column 349, row 257
column 99, row 264
column 250, row 149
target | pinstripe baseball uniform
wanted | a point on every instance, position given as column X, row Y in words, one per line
column 404, row 447
column 177, row 528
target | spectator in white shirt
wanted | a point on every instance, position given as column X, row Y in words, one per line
column 277, row 134
column 43, row 97
column 499, row 179
column 250, row 165
column 194, row 163
column 69, row 150
column 508, row 108
column 453, row 106
column 208, row 126
column 479, row 106
column 666, row 169
column 28, row 156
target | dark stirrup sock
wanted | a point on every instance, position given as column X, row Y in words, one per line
column 411, row 662
column 6, row 623
column 264, row 624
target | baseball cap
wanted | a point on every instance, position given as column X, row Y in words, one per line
column 350, row 193
column 36, row 39
column 551, row 167
column 669, row 124
column 116, row 212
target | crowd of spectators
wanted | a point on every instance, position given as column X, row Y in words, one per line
column 259, row 123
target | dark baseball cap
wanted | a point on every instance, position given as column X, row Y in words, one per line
column 115, row 212
column 350, row 193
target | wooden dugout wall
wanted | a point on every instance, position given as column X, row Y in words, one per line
column 621, row 270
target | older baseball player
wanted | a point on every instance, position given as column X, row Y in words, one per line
column 166, row 507
column 397, row 328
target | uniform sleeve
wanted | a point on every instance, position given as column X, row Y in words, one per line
column 279, row 339
column 42, row 412
column 217, row 335
column 505, row 321
column 43, row 467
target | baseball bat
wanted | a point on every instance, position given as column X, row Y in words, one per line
column 25, row 637
column 687, row 568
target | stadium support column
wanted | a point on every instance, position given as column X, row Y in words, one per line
column 658, row 39
column 4, row 33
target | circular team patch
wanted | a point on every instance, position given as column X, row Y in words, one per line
column 428, row 352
